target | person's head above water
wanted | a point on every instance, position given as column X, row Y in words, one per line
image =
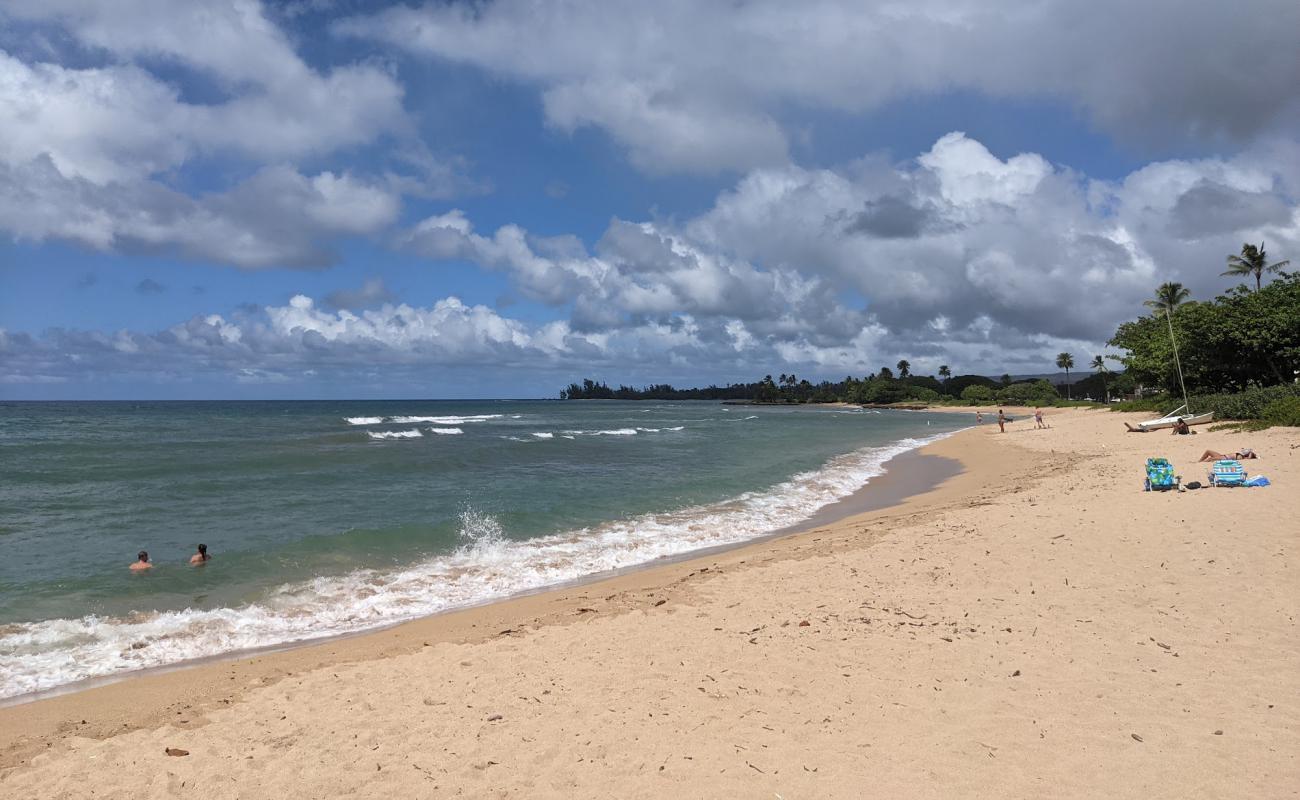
column 203, row 550
column 143, row 555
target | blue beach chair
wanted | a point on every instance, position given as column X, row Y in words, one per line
column 1160, row 475
column 1227, row 472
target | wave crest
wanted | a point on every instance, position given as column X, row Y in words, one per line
column 487, row 565
column 411, row 434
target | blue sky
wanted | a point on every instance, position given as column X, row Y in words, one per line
column 321, row 199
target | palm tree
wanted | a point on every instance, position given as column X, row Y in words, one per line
column 904, row 368
column 944, row 372
column 1168, row 296
column 1099, row 366
column 1065, row 361
column 1253, row 261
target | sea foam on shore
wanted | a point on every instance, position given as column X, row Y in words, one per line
column 487, row 566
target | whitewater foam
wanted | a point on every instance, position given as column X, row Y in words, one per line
column 544, row 435
column 614, row 432
column 486, row 566
column 411, row 434
column 412, row 420
column 446, row 431
column 445, row 420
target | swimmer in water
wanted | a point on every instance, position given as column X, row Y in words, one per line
column 141, row 562
column 201, row 556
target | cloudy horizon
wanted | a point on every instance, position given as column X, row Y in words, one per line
column 330, row 199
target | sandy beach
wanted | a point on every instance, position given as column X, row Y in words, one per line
column 1034, row 626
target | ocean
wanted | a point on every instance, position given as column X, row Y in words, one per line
column 333, row 517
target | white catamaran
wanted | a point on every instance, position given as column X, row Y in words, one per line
column 1184, row 412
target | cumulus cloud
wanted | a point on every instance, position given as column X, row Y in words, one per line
column 92, row 150
column 395, row 342
column 955, row 257
column 642, row 272
column 276, row 217
column 959, row 254
column 686, row 86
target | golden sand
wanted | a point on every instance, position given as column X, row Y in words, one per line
column 1037, row 626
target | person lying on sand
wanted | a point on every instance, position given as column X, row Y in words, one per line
column 1211, row 455
column 201, row 556
column 141, row 562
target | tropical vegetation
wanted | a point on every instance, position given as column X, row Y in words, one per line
column 1240, row 352
column 1253, row 261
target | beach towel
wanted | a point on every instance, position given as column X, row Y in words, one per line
column 1258, row 480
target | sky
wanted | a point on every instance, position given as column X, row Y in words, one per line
column 323, row 199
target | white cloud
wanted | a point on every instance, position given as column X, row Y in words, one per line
column 277, row 217
column 92, row 154
column 965, row 259
column 689, row 86
column 957, row 251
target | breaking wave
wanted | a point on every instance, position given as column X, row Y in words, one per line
column 487, row 565
column 411, row 434
column 451, row 419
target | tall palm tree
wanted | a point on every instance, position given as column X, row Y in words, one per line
column 904, row 368
column 1168, row 296
column 944, row 372
column 1253, row 261
column 1099, row 366
column 1065, row 361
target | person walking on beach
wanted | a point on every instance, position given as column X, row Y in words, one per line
column 200, row 557
column 979, row 417
column 1038, row 418
column 141, row 562
column 1002, row 421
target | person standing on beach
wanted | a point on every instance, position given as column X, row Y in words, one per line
column 141, row 562
column 1002, row 421
column 1038, row 418
column 200, row 557
column 979, row 417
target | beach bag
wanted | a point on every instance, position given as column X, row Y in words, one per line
column 1258, row 480
column 1194, row 485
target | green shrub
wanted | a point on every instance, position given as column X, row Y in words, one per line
column 922, row 393
column 883, row 391
column 1249, row 404
column 1028, row 393
column 977, row 395
column 1285, row 411
column 1159, row 403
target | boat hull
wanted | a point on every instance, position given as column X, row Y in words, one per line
column 1171, row 421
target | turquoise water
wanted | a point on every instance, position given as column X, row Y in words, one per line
column 328, row 517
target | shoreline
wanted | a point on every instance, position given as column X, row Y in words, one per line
column 310, row 635
column 907, row 475
column 1035, row 625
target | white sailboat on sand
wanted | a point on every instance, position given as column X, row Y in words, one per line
column 1170, row 420
column 1184, row 412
